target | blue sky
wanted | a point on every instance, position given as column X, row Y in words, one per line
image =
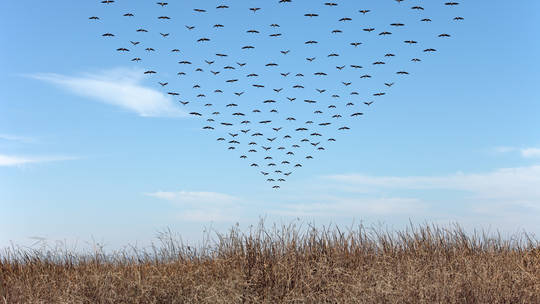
column 90, row 146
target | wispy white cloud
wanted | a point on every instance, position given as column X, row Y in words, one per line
column 339, row 206
column 188, row 197
column 205, row 215
column 202, row 206
column 530, row 152
column 507, row 198
column 504, row 149
column 120, row 87
column 11, row 161
column 16, row 138
column 518, row 186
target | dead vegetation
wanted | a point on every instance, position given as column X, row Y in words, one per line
column 287, row 264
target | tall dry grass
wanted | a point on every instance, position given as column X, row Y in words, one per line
column 287, row 264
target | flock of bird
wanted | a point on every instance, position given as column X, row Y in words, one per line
column 254, row 100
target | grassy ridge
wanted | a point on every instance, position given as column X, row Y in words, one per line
column 287, row 264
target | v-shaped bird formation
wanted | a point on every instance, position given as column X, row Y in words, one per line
column 277, row 81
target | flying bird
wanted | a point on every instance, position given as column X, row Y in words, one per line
column 337, row 111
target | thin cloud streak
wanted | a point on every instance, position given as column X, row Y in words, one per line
column 190, row 197
column 16, row 138
column 12, row 161
column 512, row 185
column 202, row 206
column 334, row 206
column 118, row 87
column 523, row 152
column 531, row 153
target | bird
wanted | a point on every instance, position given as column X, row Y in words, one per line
column 237, row 88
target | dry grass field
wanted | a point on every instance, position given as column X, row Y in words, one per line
column 287, row 264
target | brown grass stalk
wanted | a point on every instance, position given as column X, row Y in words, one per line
column 287, row 264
